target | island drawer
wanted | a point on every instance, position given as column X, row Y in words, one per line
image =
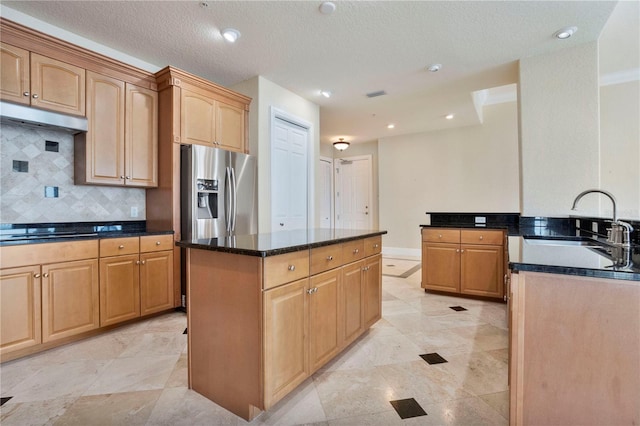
column 352, row 251
column 150, row 243
column 325, row 258
column 441, row 235
column 285, row 268
column 372, row 245
column 482, row 236
column 119, row 246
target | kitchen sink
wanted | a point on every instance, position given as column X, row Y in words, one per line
column 563, row 243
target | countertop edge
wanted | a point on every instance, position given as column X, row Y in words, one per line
column 97, row 236
column 516, row 267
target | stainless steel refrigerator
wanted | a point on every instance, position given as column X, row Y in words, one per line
column 219, row 193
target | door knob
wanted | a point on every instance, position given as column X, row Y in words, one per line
column 281, row 224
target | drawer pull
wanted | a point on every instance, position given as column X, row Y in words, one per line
column 481, row 238
column 329, row 258
column 312, row 290
column 439, row 235
column 36, row 275
column 157, row 243
column 292, row 267
column 375, row 246
column 120, row 246
column 356, row 251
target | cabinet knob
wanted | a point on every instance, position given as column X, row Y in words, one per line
column 144, row 261
column 157, row 243
column 310, row 291
column 128, row 177
column 281, row 224
column 462, row 251
column 457, row 250
column 375, row 246
column 26, row 93
column 121, row 176
column 356, row 251
column 137, row 262
column 36, row 275
column 439, row 235
column 329, row 257
column 120, row 246
column 35, row 96
column 46, row 275
column 481, row 237
column 292, row 267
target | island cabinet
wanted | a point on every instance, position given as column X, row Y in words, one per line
column 48, row 292
column 260, row 326
column 464, row 261
column 36, row 80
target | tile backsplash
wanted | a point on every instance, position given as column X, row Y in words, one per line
column 25, row 189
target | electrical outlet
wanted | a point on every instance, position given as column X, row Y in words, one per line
column 134, row 212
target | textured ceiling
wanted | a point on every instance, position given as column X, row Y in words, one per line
column 362, row 47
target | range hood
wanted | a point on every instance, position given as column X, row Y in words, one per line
column 24, row 115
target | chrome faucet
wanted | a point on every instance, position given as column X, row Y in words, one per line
column 620, row 232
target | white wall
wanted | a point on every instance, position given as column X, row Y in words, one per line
column 559, row 131
column 267, row 94
column 620, row 145
column 468, row 169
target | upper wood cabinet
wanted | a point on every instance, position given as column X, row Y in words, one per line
column 120, row 147
column 32, row 79
column 203, row 112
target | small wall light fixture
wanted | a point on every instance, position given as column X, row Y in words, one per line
column 230, row 34
column 341, row 144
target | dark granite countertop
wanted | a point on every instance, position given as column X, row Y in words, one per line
column 467, row 226
column 271, row 244
column 36, row 233
column 589, row 257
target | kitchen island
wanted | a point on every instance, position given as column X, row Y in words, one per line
column 265, row 311
column 574, row 310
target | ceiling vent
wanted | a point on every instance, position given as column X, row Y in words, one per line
column 376, row 94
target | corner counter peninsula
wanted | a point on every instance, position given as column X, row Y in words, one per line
column 265, row 311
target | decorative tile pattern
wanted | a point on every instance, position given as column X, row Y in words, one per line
column 22, row 197
column 407, row 408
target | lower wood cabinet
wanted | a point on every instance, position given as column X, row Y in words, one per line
column 372, row 299
column 134, row 283
column 324, row 317
column 352, row 288
column 464, row 261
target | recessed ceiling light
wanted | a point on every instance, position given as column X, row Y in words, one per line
column 327, row 7
column 434, row 67
column 231, row 34
column 449, row 116
column 391, row 126
column 325, row 93
column 565, row 33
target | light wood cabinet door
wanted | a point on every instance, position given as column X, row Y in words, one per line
column 119, row 289
column 230, row 127
column 20, row 322
column 69, row 298
column 441, row 267
column 197, row 118
column 57, row 86
column 372, row 299
column 101, row 149
column 141, row 137
column 14, row 74
column 482, row 270
column 324, row 340
column 351, row 298
column 285, row 330
column 156, row 282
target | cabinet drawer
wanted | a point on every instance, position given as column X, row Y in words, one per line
column 285, row 268
column 35, row 254
column 352, row 251
column 118, row 246
column 441, row 235
column 372, row 245
column 150, row 243
column 325, row 258
column 484, row 236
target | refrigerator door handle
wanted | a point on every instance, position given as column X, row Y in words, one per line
column 228, row 194
column 235, row 200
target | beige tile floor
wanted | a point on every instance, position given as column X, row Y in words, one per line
column 137, row 375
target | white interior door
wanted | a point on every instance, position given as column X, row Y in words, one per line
column 288, row 176
column 353, row 192
column 326, row 194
